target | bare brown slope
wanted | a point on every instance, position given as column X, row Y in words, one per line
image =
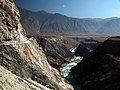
column 100, row 69
column 43, row 22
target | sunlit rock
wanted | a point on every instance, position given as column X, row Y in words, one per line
column 22, row 56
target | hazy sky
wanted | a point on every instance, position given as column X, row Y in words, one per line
column 75, row 8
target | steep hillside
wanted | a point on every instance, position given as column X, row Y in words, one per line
column 112, row 27
column 22, row 56
column 43, row 22
column 9, row 81
column 86, row 46
column 100, row 69
column 56, row 52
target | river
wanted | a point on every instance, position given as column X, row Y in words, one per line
column 65, row 71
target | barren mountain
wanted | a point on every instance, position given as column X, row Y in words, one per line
column 111, row 27
column 43, row 22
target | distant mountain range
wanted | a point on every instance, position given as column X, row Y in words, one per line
column 43, row 22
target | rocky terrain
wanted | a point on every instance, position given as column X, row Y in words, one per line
column 57, row 48
column 86, row 46
column 22, row 58
column 10, row 81
column 56, row 51
column 44, row 22
column 100, row 69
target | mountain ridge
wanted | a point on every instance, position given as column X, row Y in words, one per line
column 55, row 23
column 111, row 27
column 44, row 22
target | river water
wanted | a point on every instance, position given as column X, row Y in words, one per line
column 65, row 71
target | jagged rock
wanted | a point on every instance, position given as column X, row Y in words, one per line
column 9, row 81
column 8, row 21
column 22, row 68
column 21, row 55
column 100, row 69
column 56, row 52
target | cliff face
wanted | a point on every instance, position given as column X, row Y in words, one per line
column 10, row 81
column 100, row 69
column 55, row 51
column 86, row 46
column 21, row 55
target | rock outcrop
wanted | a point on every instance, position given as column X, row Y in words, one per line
column 21, row 55
column 86, row 46
column 56, row 52
column 10, row 81
column 100, row 69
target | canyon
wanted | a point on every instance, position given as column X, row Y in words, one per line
column 43, row 51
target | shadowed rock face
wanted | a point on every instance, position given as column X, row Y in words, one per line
column 86, row 46
column 22, row 56
column 56, row 52
column 100, row 69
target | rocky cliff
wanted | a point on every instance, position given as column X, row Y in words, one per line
column 56, row 52
column 86, row 46
column 22, row 56
column 10, row 81
column 100, row 69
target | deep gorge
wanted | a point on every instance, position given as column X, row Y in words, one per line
column 66, row 69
